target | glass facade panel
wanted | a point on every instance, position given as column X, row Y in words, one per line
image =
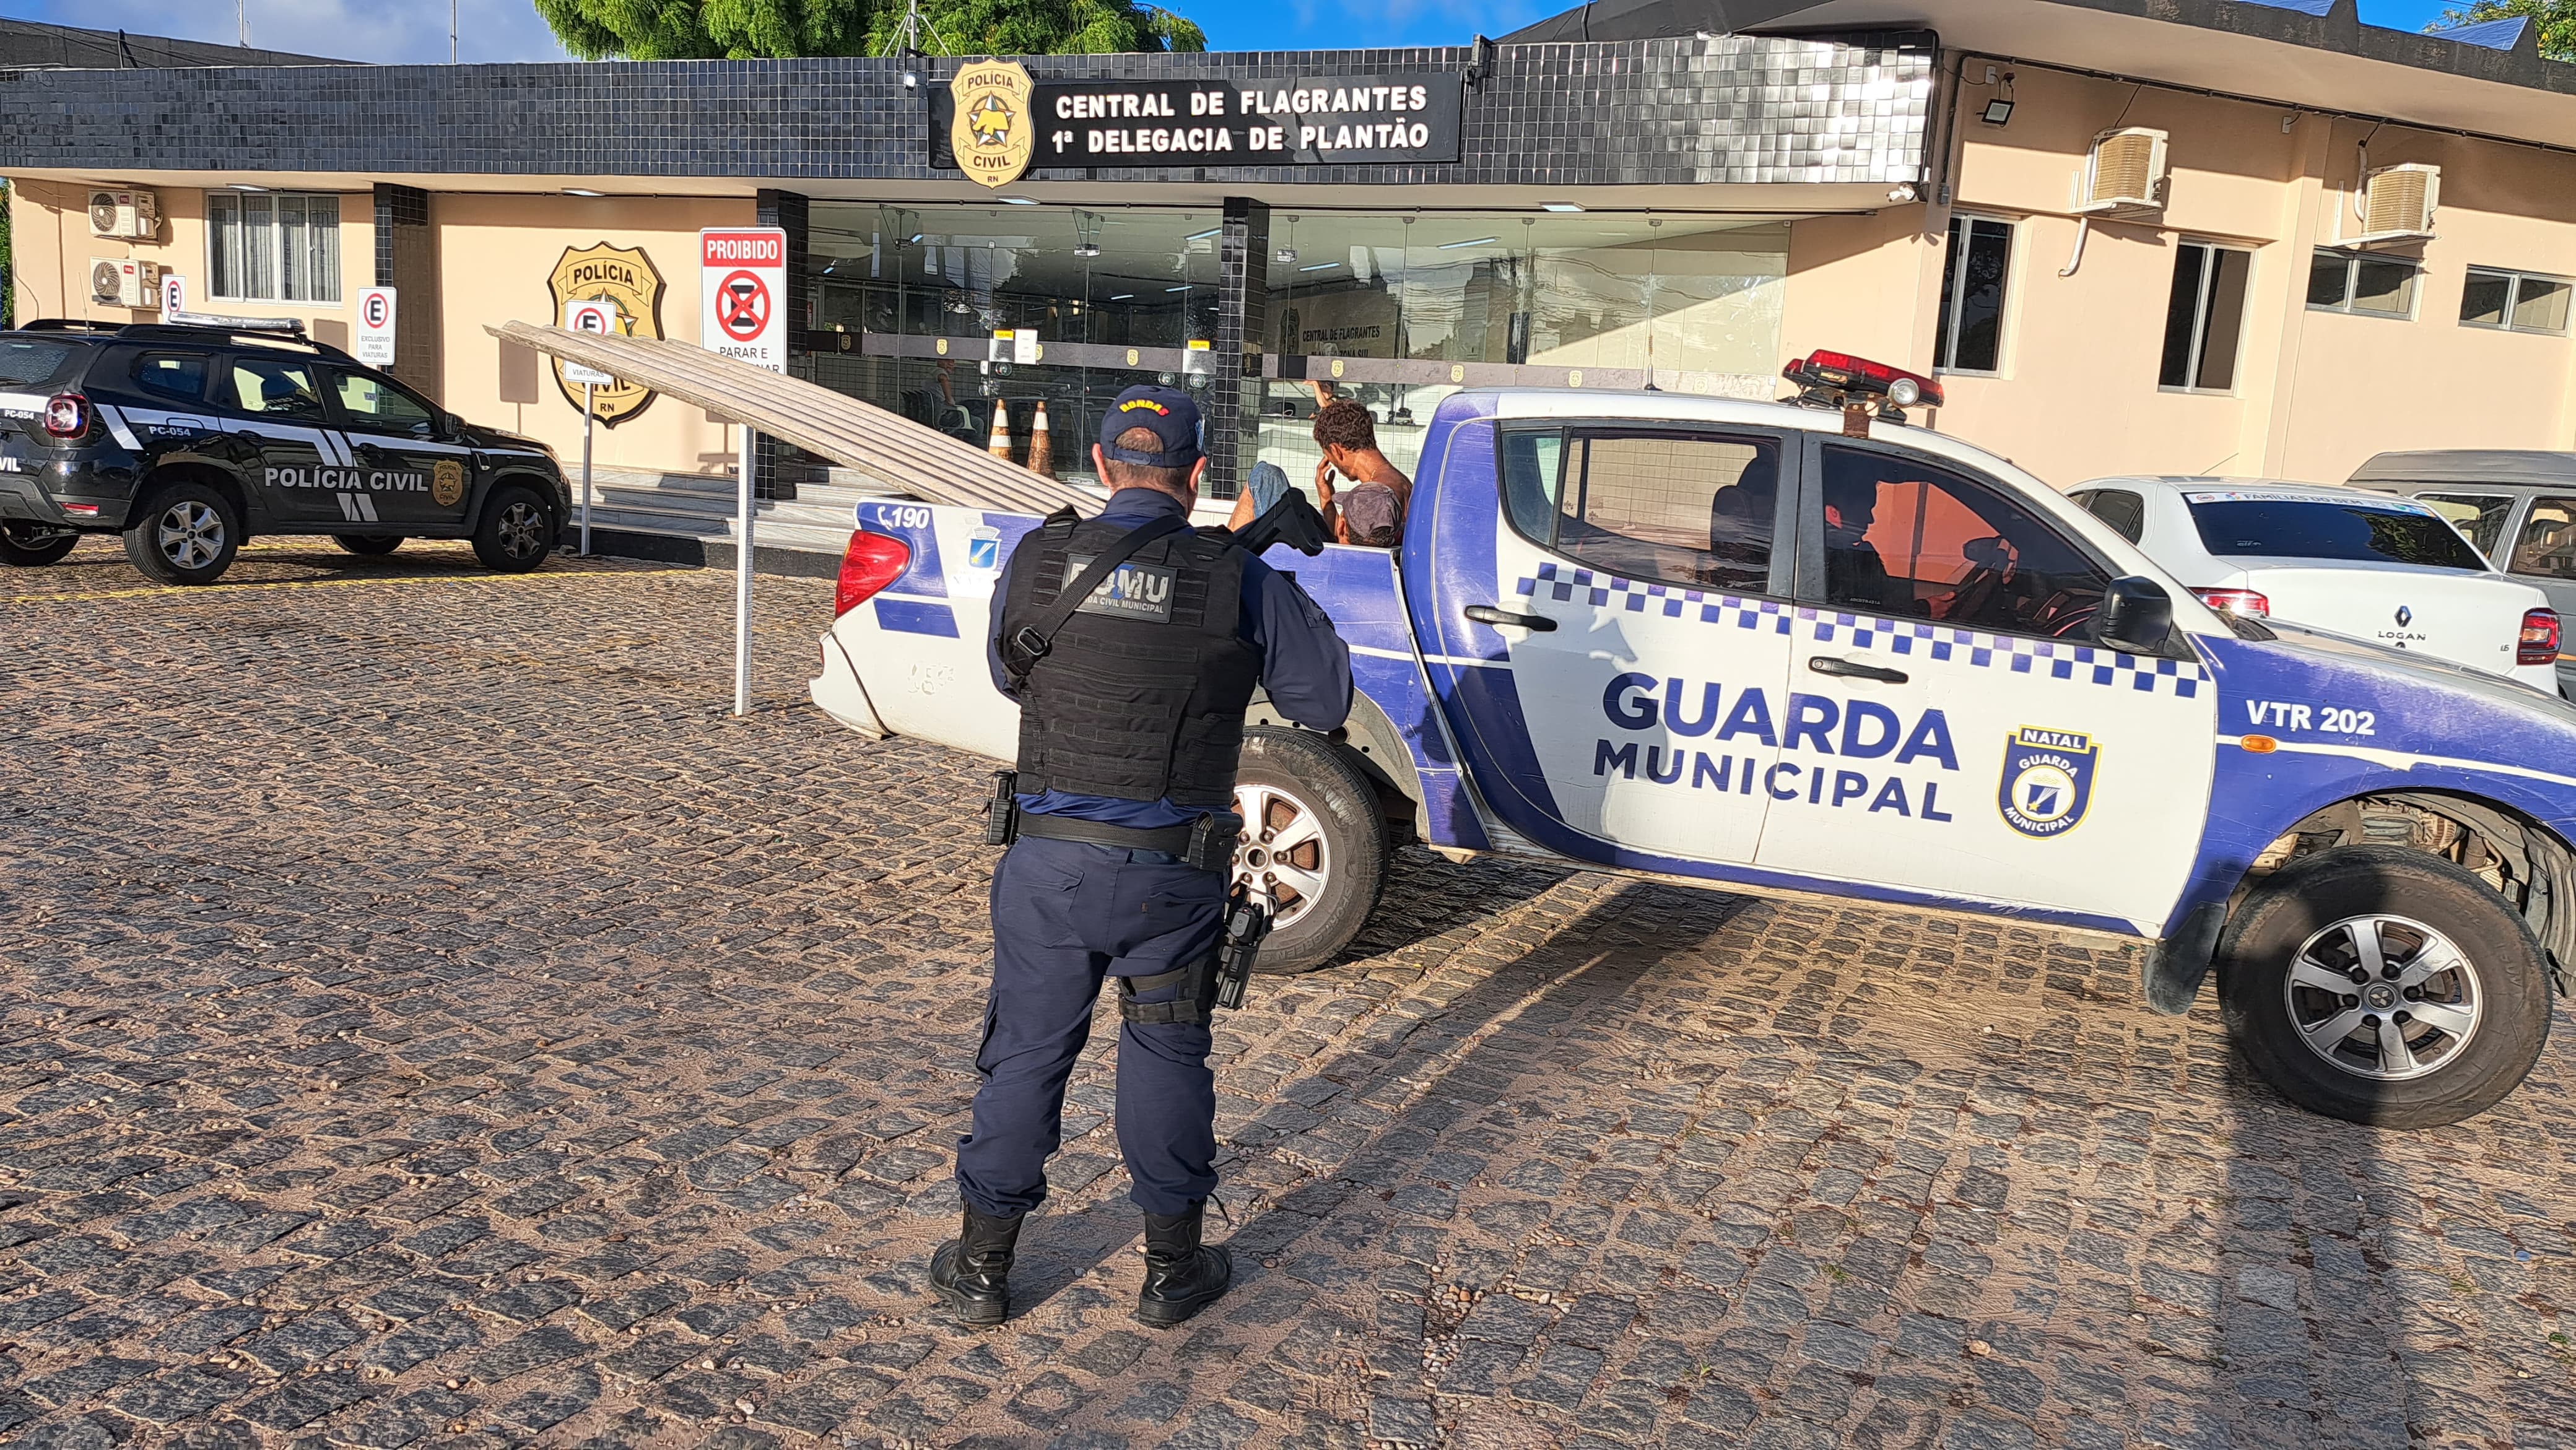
column 1403, row 306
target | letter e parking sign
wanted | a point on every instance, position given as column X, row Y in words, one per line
column 375, row 332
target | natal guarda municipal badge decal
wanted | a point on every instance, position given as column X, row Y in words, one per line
column 625, row 277
column 991, row 130
column 2047, row 781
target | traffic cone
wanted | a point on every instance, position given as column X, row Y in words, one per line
column 1041, row 447
column 999, row 444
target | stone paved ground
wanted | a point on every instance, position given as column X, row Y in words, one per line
column 427, row 1018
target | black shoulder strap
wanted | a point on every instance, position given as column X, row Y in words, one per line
column 1033, row 640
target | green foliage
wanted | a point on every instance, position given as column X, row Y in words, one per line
column 2554, row 19
column 753, row 29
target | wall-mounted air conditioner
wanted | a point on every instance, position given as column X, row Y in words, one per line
column 2397, row 203
column 134, row 216
column 124, row 282
column 2124, row 175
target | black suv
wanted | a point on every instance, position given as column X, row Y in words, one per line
column 189, row 437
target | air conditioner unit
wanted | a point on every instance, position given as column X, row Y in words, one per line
column 133, row 216
column 124, row 282
column 2397, row 203
column 2124, row 175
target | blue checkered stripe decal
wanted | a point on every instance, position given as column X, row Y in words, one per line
column 2054, row 659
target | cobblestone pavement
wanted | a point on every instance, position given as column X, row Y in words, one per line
column 426, row 1018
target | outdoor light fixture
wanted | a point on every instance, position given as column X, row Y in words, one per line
column 1121, row 297
column 1470, row 242
column 582, row 191
column 1202, row 236
column 911, row 80
column 1184, row 287
column 245, row 186
column 1319, row 266
column 1558, row 206
column 1998, row 112
column 1019, row 201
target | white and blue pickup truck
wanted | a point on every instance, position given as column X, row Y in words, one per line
column 1783, row 648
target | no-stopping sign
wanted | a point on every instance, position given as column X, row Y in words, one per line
column 742, row 279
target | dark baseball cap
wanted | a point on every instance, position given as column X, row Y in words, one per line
column 1167, row 411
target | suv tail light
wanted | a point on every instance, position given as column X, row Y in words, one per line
column 2245, row 603
column 2539, row 644
column 67, row 415
column 872, row 562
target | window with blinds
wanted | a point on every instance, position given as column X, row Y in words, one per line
column 273, row 247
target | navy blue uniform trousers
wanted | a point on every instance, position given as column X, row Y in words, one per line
column 1066, row 914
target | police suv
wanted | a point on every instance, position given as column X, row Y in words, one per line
column 1809, row 649
column 190, row 437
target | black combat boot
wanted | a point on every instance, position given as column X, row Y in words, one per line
column 969, row 1270
column 1182, row 1275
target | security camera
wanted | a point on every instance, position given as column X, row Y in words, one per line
column 1901, row 191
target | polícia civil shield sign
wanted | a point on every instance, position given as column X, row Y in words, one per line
column 2047, row 780
column 742, row 294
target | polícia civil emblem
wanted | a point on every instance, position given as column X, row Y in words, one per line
column 990, row 128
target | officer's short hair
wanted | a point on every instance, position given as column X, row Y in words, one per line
column 1343, row 423
column 1120, row 475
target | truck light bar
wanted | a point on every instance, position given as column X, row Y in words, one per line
column 1860, row 387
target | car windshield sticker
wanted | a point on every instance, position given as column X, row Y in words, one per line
column 2283, row 495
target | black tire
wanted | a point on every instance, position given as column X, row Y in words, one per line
column 1288, row 779
column 517, row 530
column 2494, row 1005
column 31, row 545
column 370, row 544
column 187, row 534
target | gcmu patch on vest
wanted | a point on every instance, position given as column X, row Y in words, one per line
column 1140, row 695
column 1132, row 590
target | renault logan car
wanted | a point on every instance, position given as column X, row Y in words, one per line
column 2371, row 565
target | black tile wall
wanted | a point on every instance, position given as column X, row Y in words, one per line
column 1725, row 109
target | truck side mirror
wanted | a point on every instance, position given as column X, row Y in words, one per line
column 2137, row 615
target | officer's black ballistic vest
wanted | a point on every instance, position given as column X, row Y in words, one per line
column 1142, row 695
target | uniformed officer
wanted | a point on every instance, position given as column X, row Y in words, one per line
column 1133, row 644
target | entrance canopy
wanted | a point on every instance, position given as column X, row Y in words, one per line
column 818, row 420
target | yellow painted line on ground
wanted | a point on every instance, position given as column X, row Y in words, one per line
column 217, row 591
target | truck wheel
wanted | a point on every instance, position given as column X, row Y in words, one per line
column 187, row 534
column 1312, row 835
column 28, row 545
column 369, row 544
column 2385, row 986
column 517, row 530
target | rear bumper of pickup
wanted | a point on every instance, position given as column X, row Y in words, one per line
column 838, row 691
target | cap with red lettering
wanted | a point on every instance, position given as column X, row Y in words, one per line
column 1168, row 412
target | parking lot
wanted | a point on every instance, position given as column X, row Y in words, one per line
column 427, row 1017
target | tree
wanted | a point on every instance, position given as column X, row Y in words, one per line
column 2554, row 19
column 756, row 29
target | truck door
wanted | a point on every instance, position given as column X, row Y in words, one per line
column 1960, row 735
column 412, row 480
column 291, row 455
column 1592, row 611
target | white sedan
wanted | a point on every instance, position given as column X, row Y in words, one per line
column 2368, row 565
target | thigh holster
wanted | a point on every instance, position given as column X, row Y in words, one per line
column 1197, row 982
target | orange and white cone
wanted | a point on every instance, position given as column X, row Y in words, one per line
column 1041, row 447
column 999, row 445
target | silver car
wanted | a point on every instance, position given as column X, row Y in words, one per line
column 2517, row 507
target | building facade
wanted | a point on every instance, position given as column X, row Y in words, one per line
column 1610, row 200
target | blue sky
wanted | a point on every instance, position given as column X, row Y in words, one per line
column 491, row 30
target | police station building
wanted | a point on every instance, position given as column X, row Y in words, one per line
column 2198, row 236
